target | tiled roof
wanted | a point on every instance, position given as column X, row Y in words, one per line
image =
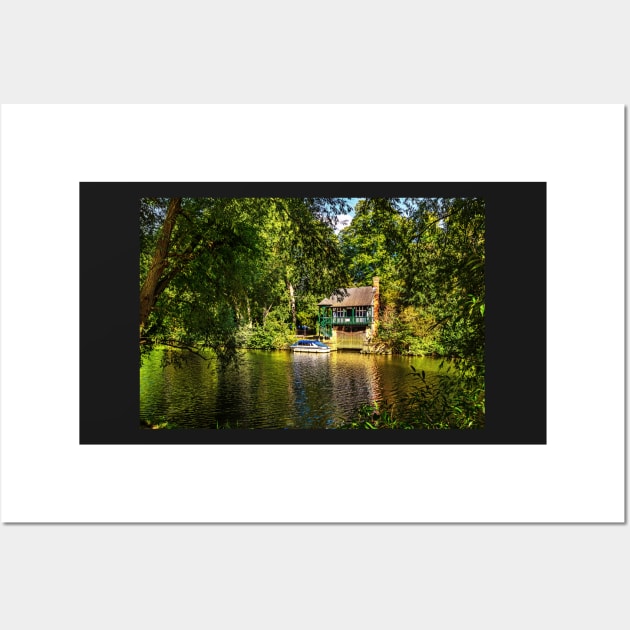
column 356, row 296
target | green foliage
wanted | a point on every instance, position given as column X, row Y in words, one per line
column 377, row 416
column 429, row 255
column 442, row 269
column 446, row 402
column 371, row 245
column 230, row 264
column 308, row 309
column 243, row 272
column 407, row 331
column 158, row 423
column 272, row 335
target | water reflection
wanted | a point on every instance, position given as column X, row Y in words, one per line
column 273, row 389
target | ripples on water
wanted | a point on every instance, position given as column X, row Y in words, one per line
column 271, row 390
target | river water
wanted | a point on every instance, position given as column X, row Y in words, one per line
column 271, row 390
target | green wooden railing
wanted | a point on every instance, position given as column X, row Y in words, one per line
column 351, row 320
column 327, row 320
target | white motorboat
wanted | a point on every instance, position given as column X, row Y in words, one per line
column 309, row 345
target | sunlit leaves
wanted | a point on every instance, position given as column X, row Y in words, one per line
column 230, row 262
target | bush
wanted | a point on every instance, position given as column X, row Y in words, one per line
column 408, row 332
column 272, row 335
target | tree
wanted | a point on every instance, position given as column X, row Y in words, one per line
column 157, row 277
column 429, row 254
column 211, row 266
column 442, row 268
column 372, row 245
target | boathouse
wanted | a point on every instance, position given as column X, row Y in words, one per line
column 349, row 316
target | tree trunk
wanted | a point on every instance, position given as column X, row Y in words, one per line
column 250, row 324
column 154, row 283
column 292, row 302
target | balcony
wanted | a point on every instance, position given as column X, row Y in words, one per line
column 347, row 320
column 352, row 320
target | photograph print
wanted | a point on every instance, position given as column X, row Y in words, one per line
column 343, row 314
column 326, row 313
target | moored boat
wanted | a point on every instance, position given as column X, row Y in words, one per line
column 309, row 345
